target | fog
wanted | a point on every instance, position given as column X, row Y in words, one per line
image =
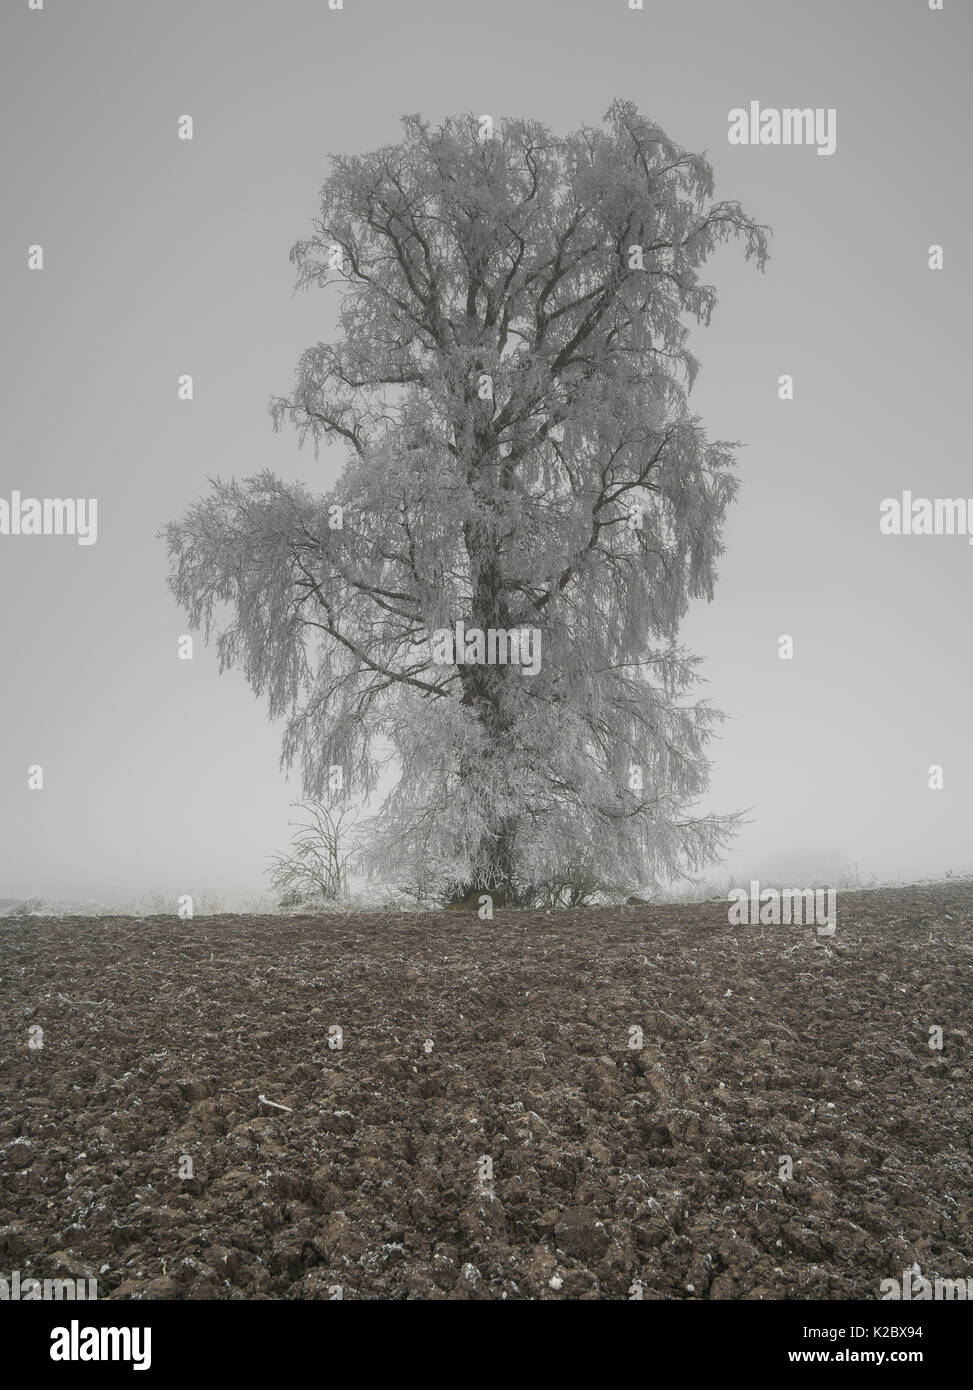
column 164, row 257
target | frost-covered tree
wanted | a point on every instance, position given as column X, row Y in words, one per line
column 509, row 382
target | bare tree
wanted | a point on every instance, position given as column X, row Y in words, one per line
column 315, row 869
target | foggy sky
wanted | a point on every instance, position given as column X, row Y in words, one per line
column 165, row 257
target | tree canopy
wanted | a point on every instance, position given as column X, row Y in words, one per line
column 510, row 384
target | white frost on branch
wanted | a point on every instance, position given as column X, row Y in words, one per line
column 578, row 495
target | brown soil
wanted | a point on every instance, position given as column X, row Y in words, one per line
column 611, row 1167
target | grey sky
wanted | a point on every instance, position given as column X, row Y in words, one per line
column 164, row 257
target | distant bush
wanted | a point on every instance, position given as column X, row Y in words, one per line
column 314, row 872
column 574, row 884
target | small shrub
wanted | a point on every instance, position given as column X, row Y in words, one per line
column 314, row 872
